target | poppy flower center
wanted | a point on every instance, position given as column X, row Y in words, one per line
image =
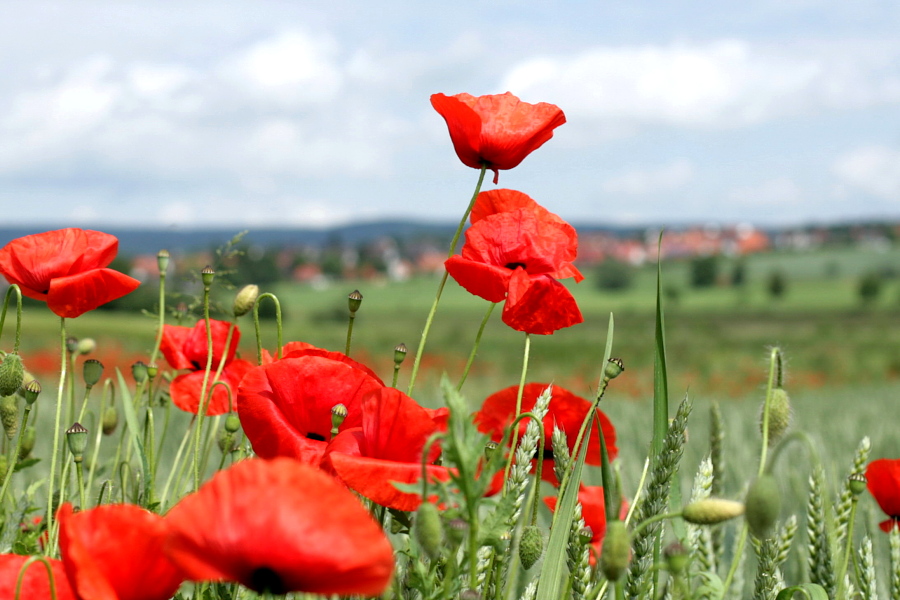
column 315, row 436
column 514, row 265
column 548, row 453
column 265, row 579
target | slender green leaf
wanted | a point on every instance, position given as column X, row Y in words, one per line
column 133, row 430
column 810, row 591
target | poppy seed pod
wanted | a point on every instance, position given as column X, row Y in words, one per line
column 9, row 413
column 76, row 438
column 531, row 546
column 162, row 261
column 72, row 345
column 763, row 505
column 354, row 301
column 245, row 299
column 428, row 530
column 616, row 552
column 857, row 483
column 399, row 353
column 12, row 373
column 139, row 372
column 92, row 371
column 32, row 391
column 207, row 275
column 710, row 511
column 614, row 368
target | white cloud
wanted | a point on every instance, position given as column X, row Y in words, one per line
column 720, row 84
column 873, row 169
column 642, row 182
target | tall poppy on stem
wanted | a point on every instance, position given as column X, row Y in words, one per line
column 115, row 552
column 515, row 251
column 883, row 481
column 66, row 269
column 497, row 131
column 186, row 348
column 279, row 526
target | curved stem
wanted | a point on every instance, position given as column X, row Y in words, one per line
column 15, row 456
column 13, row 289
column 162, row 317
column 515, row 432
column 462, row 224
column 256, row 326
column 48, row 550
column 848, row 546
column 474, row 352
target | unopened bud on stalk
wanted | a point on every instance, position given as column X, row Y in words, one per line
column 12, row 374
column 207, row 275
column 428, row 530
column 72, row 345
column 531, row 546
column 779, row 414
column 858, row 483
column 338, row 414
column 763, row 505
column 76, row 438
column 92, row 371
column 162, row 260
column 152, row 371
column 226, row 442
column 86, row 346
column 614, row 368
column 9, row 415
column 710, row 511
column 245, row 299
column 110, row 420
column 232, row 423
column 32, row 391
column 354, row 300
column 457, row 529
column 139, row 372
column 677, row 558
column 616, row 552
column 29, row 437
column 399, row 353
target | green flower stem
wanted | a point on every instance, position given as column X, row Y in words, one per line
column 474, row 352
column 79, row 474
column 149, row 445
column 24, row 568
column 13, row 289
column 848, row 546
column 202, row 406
column 428, row 321
column 654, row 519
column 50, row 547
column 165, row 432
column 15, row 455
column 350, row 321
column 256, row 326
column 161, row 317
column 515, row 431
column 70, row 388
column 95, row 453
column 175, row 464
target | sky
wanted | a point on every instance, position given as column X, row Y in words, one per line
column 186, row 114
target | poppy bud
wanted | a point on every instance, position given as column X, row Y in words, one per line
column 779, row 414
column 92, row 371
column 29, row 437
column 9, row 413
column 207, row 275
column 72, row 345
column 32, row 391
column 428, row 529
column 531, row 546
column 76, row 438
column 226, row 442
column 399, row 353
column 614, row 368
column 456, row 530
column 232, row 423
column 12, row 373
column 139, row 372
column 858, row 483
column 162, row 260
column 86, row 346
column 677, row 557
column 710, row 511
column 245, row 299
column 110, row 420
column 354, row 299
column 616, row 552
column 152, row 370
column 763, row 505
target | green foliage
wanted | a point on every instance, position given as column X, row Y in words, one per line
column 776, row 285
column 613, row 275
column 870, row 286
column 704, row 271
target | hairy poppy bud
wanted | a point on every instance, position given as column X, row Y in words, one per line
column 616, row 552
column 779, row 414
column 76, row 438
column 763, row 505
column 456, row 530
column 207, row 275
column 12, row 373
column 139, row 372
column 858, row 483
column 162, row 261
column 9, row 415
column 710, row 511
column 92, row 371
column 29, row 437
column 399, row 353
column 32, row 391
column 677, row 558
column 86, row 346
column 428, row 530
column 110, row 420
column 245, row 299
column 232, row 423
column 72, row 345
column 354, row 300
column 614, row 368
column 531, row 546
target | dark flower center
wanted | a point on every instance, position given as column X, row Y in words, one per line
column 197, row 366
column 315, row 436
column 265, row 579
column 548, row 453
column 514, row 266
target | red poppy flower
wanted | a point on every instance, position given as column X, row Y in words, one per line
column 283, row 526
column 186, row 348
column 66, row 269
column 883, row 481
column 115, row 552
column 387, row 447
column 517, row 255
column 567, row 411
column 593, row 511
column 285, row 406
column 35, row 583
column 498, row 131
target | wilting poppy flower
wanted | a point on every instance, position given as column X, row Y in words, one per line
column 387, row 447
column 285, row 406
column 883, row 481
column 497, row 131
column 593, row 511
column 66, row 269
column 115, row 552
column 517, row 255
column 35, row 582
column 282, row 526
column 186, row 348
column 567, row 411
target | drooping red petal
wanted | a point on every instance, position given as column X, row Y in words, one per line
column 172, row 344
column 35, row 582
column 396, row 427
column 196, row 345
column 373, row 477
column 185, row 389
column 285, row 406
column 464, row 126
column 114, row 552
column 883, row 481
column 478, row 278
column 539, row 305
column 283, row 525
column 73, row 295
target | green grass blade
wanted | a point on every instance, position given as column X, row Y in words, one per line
column 660, row 373
column 134, row 433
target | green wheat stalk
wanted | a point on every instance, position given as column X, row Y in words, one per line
column 717, row 459
column 699, row 538
column 845, row 503
column 820, row 560
column 895, row 562
column 766, row 569
column 868, row 584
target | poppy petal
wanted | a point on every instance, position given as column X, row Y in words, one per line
column 478, row 278
column 172, row 346
column 35, row 582
column 185, row 389
column 883, row 481
column 464, row 126
column 373, row 477
column 539, row 305
column 73, row 295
